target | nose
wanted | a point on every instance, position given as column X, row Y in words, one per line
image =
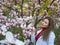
column 42, row 23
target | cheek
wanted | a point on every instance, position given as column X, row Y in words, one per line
column 43, row 24
column 46, row 25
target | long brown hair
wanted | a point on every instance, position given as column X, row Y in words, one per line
column 50, row 28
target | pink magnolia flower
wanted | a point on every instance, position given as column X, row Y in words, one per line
column 14, row 7
column 25, row 34
column 9, row 20
column 37, row 6
column 11, row 13
column 9, row 23
column 50, row 7
column 58, row 11
column 8, row 4
column 25, row 19
column 1, row 1
column 15, row 13
column 1, row 10
column 58, row 19
column 41, row 2
column 45, row 12
column 39, row 16
column 1, row 24
column 3, row 18
column 15, row 24
column 16, row 36
column 55, row 3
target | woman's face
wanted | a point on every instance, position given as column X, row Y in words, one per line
column 44, row 23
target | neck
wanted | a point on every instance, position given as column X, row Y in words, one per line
column 44, row 28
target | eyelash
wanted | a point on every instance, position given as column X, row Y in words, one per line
column 46, row 22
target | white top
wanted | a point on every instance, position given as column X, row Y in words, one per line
column 40, row 41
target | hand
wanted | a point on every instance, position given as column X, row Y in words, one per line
column 32, row 31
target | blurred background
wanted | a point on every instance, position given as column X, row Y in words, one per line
column 22, row 16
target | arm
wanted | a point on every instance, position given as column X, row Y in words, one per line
column 33, row 38
column 51, row 38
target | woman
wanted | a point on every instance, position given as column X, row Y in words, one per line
column 46, row 35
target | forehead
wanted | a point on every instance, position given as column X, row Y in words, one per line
column 46, row 20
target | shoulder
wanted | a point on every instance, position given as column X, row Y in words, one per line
column 52, row 34
column 39, row 31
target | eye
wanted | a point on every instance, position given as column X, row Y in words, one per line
column 45, row 22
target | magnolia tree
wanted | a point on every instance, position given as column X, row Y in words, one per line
column 23, row 16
